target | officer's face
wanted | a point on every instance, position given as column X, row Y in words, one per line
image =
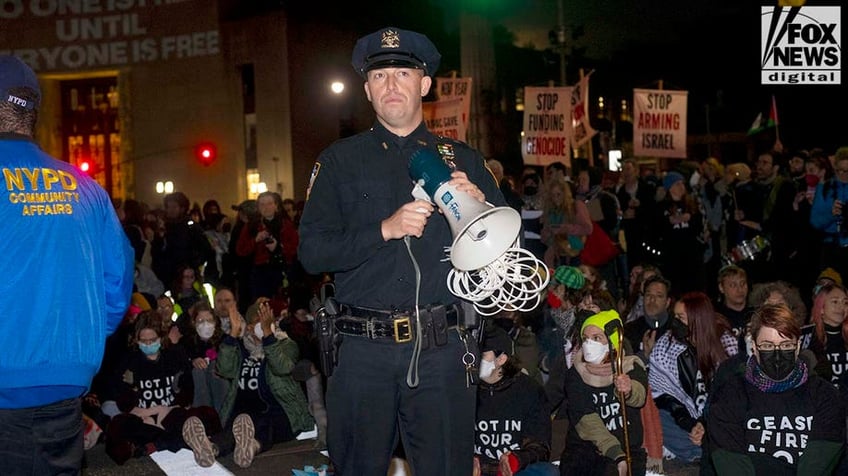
column 395, row 94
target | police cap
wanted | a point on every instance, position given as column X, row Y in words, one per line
column 393, row 47
column 14, row 73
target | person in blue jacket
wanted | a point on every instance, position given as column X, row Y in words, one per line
column 67, row 273
column 828, row 215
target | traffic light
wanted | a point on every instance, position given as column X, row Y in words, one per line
column 206, row 153
column 85, row 166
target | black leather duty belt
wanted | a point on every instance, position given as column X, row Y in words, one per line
column 397, row 326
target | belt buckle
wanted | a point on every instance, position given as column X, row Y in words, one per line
column 403, row 330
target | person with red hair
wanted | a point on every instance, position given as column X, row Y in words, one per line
column 831, row 334
column 682, row 365
column 773, row 415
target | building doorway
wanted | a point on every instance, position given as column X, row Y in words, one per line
column 91, row 132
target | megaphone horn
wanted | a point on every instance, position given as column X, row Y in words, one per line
column 482, row 232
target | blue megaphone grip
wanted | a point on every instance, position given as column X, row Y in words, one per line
column 426, row 165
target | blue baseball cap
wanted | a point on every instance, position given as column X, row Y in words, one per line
column 14, row 73
column 393, row 47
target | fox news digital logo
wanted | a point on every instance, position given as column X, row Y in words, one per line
column 801, row 45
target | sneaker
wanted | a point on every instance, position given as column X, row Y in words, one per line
column 194, row 434
column 246, row 444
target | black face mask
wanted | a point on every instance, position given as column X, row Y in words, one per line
column 679, row 330
column 777, row 364
column 530, row 191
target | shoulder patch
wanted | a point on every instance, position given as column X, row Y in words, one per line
column 315, row 169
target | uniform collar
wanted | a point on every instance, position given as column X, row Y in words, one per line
column 386, row 137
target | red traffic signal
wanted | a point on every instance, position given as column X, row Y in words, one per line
column 206, row 153
column 85, row 166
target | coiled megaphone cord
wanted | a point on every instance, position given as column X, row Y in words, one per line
column 412, row 372
column 513, row 282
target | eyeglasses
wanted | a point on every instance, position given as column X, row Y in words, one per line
column 841, row 171
column 770, row 346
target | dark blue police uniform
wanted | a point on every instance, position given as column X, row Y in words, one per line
column 357, row 183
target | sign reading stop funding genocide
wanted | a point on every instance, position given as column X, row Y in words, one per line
column 547, row 126
column 659, row 123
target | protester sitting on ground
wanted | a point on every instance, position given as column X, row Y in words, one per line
column 595, row 443
column 733, row 302
column 155, row 392
column 168, row 316
column 201, row 345
column 513, row 431
column 682, row 365
column 772, row 401
column 779, row 292
column 635, row 305
column 264, row 405
column 642, row 333
column 831, row 332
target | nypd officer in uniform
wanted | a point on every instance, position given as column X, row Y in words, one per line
column 362, row 223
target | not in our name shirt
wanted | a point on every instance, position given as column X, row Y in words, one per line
column 837, row 354
column 165, row 382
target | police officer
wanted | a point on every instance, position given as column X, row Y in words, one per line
column 361, row 223
column 67, row 271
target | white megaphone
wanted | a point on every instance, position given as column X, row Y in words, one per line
column 482, row 233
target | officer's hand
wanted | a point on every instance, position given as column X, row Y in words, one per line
column 409, row 219
column 461, row 182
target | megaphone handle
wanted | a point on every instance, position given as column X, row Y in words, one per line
column 419, row 193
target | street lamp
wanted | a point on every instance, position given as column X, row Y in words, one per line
column 164, row 187
column 342, row 108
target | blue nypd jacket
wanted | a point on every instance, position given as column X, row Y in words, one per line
column 66, row 274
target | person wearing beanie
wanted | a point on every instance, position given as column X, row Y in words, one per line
column 679, row 226
column 513, row 427
column 595, row 443
column 672, row 178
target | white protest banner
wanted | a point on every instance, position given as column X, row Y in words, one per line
column 444, row 118
column 583, row 131
column 453, row 88
column 659, row 123
column 547, row 126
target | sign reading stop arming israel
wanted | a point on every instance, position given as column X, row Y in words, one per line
column 659, row 123
column 547, row 126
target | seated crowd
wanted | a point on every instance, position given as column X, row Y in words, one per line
column 676, row 346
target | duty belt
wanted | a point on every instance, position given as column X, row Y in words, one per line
column 397, row 325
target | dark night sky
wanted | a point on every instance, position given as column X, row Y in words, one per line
column 710, row 48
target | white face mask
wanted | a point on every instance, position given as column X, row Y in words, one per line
column 594, row 352
column 257, row 330
column 205, row 330
column 486, row 368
